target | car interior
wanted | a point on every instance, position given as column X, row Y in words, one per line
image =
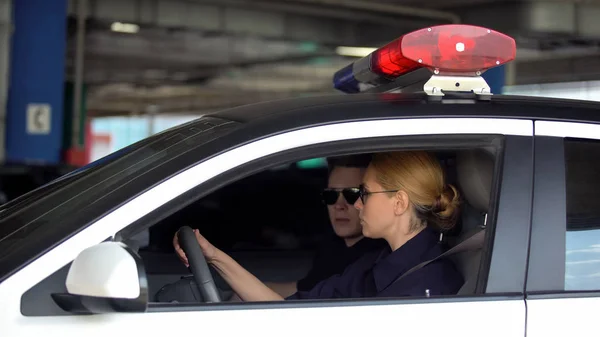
column 271, row 223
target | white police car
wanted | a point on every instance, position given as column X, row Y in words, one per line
column 528, row 168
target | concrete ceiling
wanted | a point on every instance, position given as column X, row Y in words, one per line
column 203, row 55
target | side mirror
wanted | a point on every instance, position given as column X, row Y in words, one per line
column 108, row 277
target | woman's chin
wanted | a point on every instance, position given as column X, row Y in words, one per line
column 368, row 233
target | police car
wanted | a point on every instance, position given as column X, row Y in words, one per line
column 528, row 246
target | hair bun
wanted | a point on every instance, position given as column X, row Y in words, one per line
column 437, row 205
column 446, row 207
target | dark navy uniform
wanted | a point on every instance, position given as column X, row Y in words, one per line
column 334, row 257
column 374, row 274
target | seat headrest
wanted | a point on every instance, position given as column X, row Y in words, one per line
column 475, row 171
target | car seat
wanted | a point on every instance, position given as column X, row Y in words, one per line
column 475, row 169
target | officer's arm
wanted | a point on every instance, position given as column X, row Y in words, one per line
column 243, row 283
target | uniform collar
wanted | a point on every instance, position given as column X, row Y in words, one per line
column 361, row 246
column 391, row 265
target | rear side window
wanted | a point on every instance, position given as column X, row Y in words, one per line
column 582, row 270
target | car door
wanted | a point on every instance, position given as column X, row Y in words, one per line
column 466, row 315
column 563, row 285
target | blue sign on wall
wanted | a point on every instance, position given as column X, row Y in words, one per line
column 495, row 78
column 34, row 117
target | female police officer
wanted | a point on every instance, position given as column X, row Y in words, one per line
column 403, row 200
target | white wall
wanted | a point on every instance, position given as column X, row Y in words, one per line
column 126, row 130
column 569, row 90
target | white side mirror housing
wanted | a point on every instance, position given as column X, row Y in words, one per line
column 104, row 270
column 107, row 277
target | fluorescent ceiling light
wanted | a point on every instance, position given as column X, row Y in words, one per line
column 121, row 27
column 354, row 51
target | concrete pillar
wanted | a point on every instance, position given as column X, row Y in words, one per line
column 75, row 124
column 5, row 33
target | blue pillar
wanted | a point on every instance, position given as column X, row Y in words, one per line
column 495, row 78
column 34, row 119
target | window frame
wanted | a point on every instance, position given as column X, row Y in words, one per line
column 518, row 141
column 546, row 278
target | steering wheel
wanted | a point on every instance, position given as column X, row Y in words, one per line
column 198, row 265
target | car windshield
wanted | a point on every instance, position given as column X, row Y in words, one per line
column 63, row 180
column 43, row 216
column 81, row 172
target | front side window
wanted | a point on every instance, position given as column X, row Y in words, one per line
column 298, row 227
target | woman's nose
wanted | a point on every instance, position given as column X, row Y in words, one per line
column 358, row 204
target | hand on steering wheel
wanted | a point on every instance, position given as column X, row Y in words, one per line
column 193, row 250
column 208, row 250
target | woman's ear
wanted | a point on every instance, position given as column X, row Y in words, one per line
column 401, row 203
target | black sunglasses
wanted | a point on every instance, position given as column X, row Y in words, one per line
column 363, row 193
column 331, row 195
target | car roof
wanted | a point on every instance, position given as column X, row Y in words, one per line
column 341, row 107
column 268, row 118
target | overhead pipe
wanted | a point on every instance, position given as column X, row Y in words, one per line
column 385, row 8
column 368, row 8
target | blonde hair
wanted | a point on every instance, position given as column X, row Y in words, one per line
column 420, row 175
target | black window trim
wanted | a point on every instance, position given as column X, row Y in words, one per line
column 546, row 272
column 513, row 212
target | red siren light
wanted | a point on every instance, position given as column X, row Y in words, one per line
column 448, row 48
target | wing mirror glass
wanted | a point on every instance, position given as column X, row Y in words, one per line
column 107, row 277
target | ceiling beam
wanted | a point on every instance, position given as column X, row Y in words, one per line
column 567, row 69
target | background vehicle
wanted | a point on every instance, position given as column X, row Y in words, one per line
column 525, row 166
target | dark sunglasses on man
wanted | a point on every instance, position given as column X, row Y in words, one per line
column 351, row 194
column 331, row 195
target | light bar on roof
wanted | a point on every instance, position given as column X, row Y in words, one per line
column 446, row 50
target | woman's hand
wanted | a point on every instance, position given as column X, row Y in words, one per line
column 208, row 250
column 243, row 283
